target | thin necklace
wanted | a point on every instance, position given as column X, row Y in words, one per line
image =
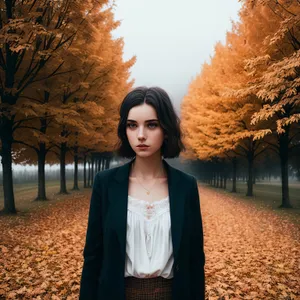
column 147, row 190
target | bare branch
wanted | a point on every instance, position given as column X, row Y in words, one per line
column 277, row 2
column 33, row 4
column 30, row 69
column 260, row 152
column 31, row 98
column 17, row 123
column 23, row 143
column 244, row 149
column 29, row 127
column 2, row 60
column 53, row 74
column 292, row 137
column 276, row 147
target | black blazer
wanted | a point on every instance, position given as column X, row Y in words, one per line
column 104, row 253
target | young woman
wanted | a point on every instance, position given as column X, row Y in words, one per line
column 144, row 237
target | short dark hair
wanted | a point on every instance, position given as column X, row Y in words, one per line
column 169, row 121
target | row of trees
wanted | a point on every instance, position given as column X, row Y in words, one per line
column 218, row 170
column 245, row 102
column 29, row 174
column 62, row 77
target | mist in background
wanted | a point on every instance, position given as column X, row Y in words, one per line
column 172, row 39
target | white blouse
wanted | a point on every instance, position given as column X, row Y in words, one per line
column 149, row 251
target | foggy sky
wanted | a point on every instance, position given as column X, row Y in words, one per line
column 172, row 38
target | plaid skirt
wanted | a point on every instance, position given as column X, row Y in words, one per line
column 155, row 288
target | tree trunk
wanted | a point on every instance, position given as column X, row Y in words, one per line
column 107, row 163
column 41, row 196
column 92, row 174
column 218, row 179
column 84, row 172
column 63, row 186
column 234, row 165
column 221, row 179
column 75, row 186
column 225, row 179
column 6, row 139
column 89, row 174
column 250, row 174
column 284, row 157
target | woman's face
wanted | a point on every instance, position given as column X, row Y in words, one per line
column 143, row 128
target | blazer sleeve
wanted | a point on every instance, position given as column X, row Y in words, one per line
column 197, row 257
column 93, row 249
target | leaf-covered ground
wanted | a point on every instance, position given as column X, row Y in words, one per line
column 251, row 253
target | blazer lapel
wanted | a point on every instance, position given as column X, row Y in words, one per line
column 118, row 201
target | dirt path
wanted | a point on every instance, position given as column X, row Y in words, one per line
column 250, row 253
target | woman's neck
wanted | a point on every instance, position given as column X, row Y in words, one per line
column 148, row 167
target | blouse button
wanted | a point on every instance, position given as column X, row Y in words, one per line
column 149, row 206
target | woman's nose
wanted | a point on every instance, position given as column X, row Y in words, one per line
column 141, row 133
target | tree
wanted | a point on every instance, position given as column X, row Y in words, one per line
column 274, row 70
column 34, row 37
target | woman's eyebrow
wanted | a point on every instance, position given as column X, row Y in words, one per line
column 145, row 121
